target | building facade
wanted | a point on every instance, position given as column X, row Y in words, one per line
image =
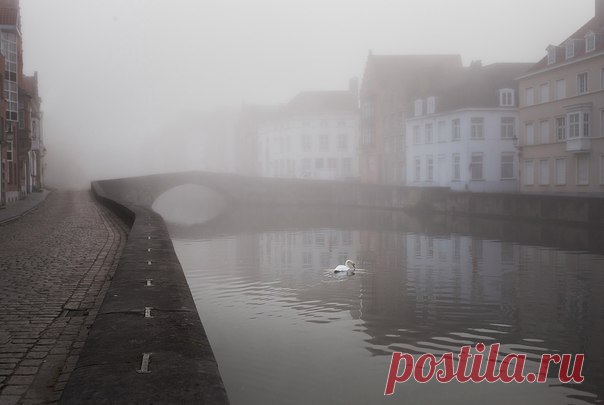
column 21, row 145
column 464, row 136
column 390, row 84
column 314, row 136
column 562, row 115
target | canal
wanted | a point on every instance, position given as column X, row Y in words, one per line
column 285, row 329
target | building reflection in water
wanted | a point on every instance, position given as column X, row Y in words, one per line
column 426, row 285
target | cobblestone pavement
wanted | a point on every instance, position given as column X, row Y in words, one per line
column 55, row 267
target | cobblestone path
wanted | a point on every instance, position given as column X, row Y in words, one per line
column 55, row 267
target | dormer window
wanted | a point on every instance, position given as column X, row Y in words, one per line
column 506, row 98
column 551, row 54
column 590, row 42
column 431, row 105
column 570, row 49
column 419, row 107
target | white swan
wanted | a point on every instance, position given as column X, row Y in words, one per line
column 349, row 266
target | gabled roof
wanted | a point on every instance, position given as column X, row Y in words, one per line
column 479, row 86
column 595, row 25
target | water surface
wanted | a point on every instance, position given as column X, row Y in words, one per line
column 286, row 330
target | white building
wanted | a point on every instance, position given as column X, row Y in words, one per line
column 465, row 137
column 314, row 136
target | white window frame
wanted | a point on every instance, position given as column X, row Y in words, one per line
column 419, row 107
column 570, row 49
column 582, row 83
column 561, row 128
column 544, row 93
column 557, row 162
column 418, row 169
column 429, row 168
column 456, row 161
column 507, row 164
column 578, row 124
column 578, row 160
column 477, row 127
column 428, row 132
column 431, row 105
column 477, row 162
column 456, row 129
column 506, row 98
column 560, row 89
column 508, row 127
column 590, row 42
column 529, row 133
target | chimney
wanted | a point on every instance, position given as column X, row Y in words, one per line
column 600, row 10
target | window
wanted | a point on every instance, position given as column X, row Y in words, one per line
column 602, row 169
column 324, row 142
column 544, row 93
column 476, row 166
column 456, row 130
column 544, row 131
column 477, row 128
column 551, row 54
column 560, row 89
column 570, row 49
column 416, row 135
column 590, row 42
column 529, row 175
column 428, row 133
column 529, row 96
column 441, row 131
column 507, row 127
column 419, row 106
column 456, row 167
column 506, row 98
column 418, row 165
column 306, row 142
column 529, row 134
column 319, row 163
column 544, row 172
column 343, row 141
column 561, row 128
column 431, row 105
column 429, row 168
column 560, row 164
column 582, row 83
column 582, row 170
column 578, row 124
column 9, row 151
column 507, row 165
column 602, row 79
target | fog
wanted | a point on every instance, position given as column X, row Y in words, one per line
column 140, row 86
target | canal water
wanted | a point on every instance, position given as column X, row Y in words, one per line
column 286, row 330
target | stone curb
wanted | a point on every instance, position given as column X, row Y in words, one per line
column 147, row 344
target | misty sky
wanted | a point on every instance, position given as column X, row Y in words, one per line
column 116, row 76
